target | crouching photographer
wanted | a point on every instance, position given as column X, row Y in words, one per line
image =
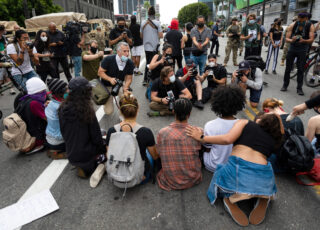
column 116, row 73
column 165, row 91
column 249, row 78
column 190, row 77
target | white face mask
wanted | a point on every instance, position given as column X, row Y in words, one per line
column 172, row 78
column 212, row 64
column 44, row 39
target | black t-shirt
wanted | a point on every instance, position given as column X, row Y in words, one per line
column 174, row 37
column 219, row 72
column 116, row 32
column 109, row 63
column 73, row 42
column 58, row 51
column 276, row 33
column 145, row 139
column 135, row 31
column 176, row 87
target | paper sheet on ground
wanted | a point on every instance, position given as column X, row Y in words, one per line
column 26, row 211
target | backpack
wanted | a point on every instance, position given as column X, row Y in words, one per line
column 125, row 167
column 256, row 62
column 314, row 173
column 296, row 152
column 100, row 93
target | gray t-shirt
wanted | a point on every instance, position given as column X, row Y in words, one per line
column 150, row 35
column 206, row 33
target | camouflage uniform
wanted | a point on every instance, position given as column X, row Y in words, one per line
column 101, row 39
column 233, row 43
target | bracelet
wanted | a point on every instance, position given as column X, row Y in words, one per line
column 161, row 100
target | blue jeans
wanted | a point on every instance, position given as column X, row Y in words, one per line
column 255, row 95
column 200, row 61
column 22, row 79
column 186, row 58
column 148, row 174
column 77, row 61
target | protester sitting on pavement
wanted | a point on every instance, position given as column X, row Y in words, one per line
column 248, row 78
column 200, row 35
column 179, row 154
column 55, row 142
column 216, row 75
column 116, row 70
column 190, row 77
column 187, row 42
column 129, row 110
column 165, row 90
column 227, row 102
column 137, row 47
column 247, row 174
column 251, row 35
column 80, row 128
column 45, row 67
column 58, row 49
column 91, row 61
column 22, row 53
column 120, row 34
column 30, row 108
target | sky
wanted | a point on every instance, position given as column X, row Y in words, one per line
column 168, row 8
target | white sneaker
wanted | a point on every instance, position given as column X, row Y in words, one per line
column 97, row 175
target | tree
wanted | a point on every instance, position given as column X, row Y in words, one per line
column 12, row 10
column 189, row 13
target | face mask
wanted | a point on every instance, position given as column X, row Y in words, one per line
column 44, row 39
column 121, row 27
column 212, row 64
column 252, row 21
column 65, row 95
column 200, row 25
column 279, row 23
column 93, row 50
column 168, row 55
column 124, row 58
column 302, row 23
column 172, row 78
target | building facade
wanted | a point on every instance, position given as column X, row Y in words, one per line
column 91, row 8
column 130, row 6
column 212, row 9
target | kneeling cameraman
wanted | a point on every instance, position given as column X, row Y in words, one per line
column 248, row 78
column 165, row 90
column 189, row 76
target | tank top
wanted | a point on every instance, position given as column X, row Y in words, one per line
column 188, row 45
column 304, row 33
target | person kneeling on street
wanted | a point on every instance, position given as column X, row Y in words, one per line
column 80, row 129
column 248, row 78
column 55, row 142
column 116, row 73
column 189, row 76
column 179, row 154
column 165, row 91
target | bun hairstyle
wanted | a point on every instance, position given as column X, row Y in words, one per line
column 272, row 103
column 129, row 106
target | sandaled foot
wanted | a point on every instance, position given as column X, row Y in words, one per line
column 258, row 214
column 236, row 213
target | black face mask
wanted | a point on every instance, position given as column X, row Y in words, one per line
column 121, row 27
column 93, row 50
column 200, row 25
column 279, row 23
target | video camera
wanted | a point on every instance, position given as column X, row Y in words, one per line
column 171, row 100
column 73, row 27
column 116, row 87
column 210, row 68
column 169, row 60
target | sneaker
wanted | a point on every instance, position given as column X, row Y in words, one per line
column 97, row 175
column 258, row 213
column 300, row 92
column 265, row 83
column 236, row 213
column 81, row 173
column 145, row 82
column 266, row 72
column 283, row 89
column 274, row 72
column 199, row 104
column 12, row 92
column 36, row 149
column 153, row 114
column 282, row 63
column 56, row 155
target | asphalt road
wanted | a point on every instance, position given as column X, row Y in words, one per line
column 147, row 206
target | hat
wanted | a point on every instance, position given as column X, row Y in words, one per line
column 276, row 19
column 234, row 19
column 35, row 85
column 189, row 62
column 244, row 65
column 56, row 86
column 174, row 24
column 79, row 83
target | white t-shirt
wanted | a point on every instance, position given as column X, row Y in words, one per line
column 26, row 65
column 218, row 154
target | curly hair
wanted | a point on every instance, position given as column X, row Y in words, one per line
column 79, row 101
column 228, row 101
column 271, row 123
column 129, row 106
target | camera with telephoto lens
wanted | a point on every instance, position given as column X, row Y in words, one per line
column 30, row 44
column 73, row 27
column 169, row 60
column 210, row 68
column 171, row 100
column 239, row 75
column 116, row 87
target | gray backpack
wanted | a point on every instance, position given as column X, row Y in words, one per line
column 125, row 167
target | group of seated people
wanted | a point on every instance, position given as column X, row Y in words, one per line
column 242, row 154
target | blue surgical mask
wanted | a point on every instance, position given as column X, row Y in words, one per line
column 301, row 23
column 65, row 95
column 124, row 58
column 252, row 21
column 172, row 78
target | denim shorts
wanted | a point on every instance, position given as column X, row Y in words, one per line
column 255, row 95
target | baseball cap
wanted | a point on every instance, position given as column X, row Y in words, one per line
column 244, row 65
column 234, row 19
column 189, row 62
column 79, row 83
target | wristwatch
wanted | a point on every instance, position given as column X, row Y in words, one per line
column 201, row 137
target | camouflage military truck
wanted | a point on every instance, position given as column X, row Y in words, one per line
column 106, row 26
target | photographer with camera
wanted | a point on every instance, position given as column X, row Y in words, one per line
column 165, row 90
column 120, row 34
column 22, row 52
column 59, row 51
column 300, row 35
column 190, row 77
column 249, row 78
column 91, row 61
column 251, row 35
column 233, row 32
column 116, row 73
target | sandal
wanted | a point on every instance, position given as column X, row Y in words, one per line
column 258, row 213
column 236, row 213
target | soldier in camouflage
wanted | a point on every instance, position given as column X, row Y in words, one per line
column 233, row 32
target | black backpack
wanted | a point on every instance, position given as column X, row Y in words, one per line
column 296, row 152
column 256, row 62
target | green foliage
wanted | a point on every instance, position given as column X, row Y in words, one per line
column 146, row 5
column 189, row 13
column 12, row 10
